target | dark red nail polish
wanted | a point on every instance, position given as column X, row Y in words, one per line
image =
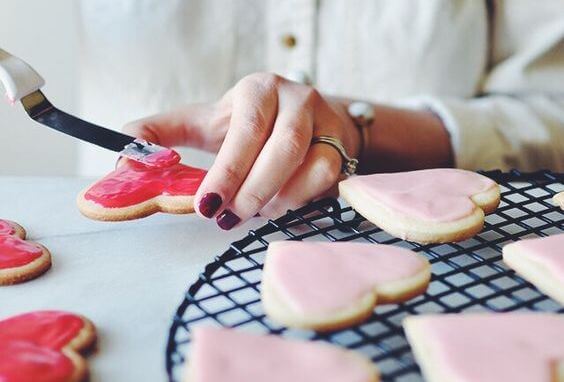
column 209, row 204
column 227, row 220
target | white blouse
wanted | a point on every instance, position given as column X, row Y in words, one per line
column 495, row 78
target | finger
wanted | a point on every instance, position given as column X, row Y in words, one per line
column 282, row 154
column 315, row 177
column 253, row 111
column 192, row 126
column 319, row 173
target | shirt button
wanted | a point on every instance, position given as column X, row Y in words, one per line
column 289, row 40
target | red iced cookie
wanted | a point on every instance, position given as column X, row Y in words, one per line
column 7, row 228
column 135, row 190
column 20, row 260
column 43, row 347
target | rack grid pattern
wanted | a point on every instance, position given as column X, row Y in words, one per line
column 467, row 276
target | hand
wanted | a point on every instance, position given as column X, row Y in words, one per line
column 261, row 130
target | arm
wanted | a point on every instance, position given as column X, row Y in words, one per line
column 518, row 121
column 262, row 129
column 403, row 139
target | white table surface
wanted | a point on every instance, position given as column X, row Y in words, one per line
column 128, row 277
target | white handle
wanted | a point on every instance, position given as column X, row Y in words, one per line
column 19, row 79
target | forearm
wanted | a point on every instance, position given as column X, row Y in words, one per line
column 403, row 139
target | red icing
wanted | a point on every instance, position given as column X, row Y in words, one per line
column 134, row 183
column 6, row 228
column 31, row 344
column 163, row 158
column 15, row 252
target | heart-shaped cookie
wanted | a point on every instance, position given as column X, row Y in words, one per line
column 43, row 347
column 327, row 286
column 219, row 355
column 426, row 206
column 541, row 261
column 516, row 347
column 559, row 199
column 8, row 227
column 20, row 260
column 135, row 190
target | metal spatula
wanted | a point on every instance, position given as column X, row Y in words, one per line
column 22, row 83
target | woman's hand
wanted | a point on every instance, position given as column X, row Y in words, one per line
column 261, row 130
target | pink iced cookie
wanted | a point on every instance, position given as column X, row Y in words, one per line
column 326, row 286
column 426, row 206
column 516, row 347
column 540, row 261
column 20, row 260
column 559, row 199
column 220, row 355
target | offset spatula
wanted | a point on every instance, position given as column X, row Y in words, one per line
column 22, row 83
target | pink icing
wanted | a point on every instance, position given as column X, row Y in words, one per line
column 31, row 343
column 6, row 228
column 436, row 195
column 163, row 158
column 517, row 347
column 133, row 183
column 547, row 251
column 320, row 277
column 220, row 355
column 15, row 252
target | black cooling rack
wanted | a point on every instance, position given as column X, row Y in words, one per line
column 467, row 276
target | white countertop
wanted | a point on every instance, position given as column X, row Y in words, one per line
column 128, row 277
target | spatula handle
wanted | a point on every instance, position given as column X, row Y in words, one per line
column 19, row 79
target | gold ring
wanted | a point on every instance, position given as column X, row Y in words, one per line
column 349, row 164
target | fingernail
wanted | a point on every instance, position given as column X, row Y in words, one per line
column 227, row 220
column 209, row 204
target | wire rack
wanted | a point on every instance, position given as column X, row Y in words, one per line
column 467, row 276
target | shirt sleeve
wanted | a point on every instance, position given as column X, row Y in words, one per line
column 505, row 132
column 519, row 120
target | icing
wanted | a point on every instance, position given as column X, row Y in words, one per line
column 270, row 358
column 48, row 365
column 547, row 251
column 133, row 183
column 15, row 252
column 437, row 195
column 6, row 228
column 31, row 344
column 517, row 347
column 163, row 158
column 323, row 277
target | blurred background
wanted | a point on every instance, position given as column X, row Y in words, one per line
column 114, row 61
column 67, row 42
column 48, row 40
